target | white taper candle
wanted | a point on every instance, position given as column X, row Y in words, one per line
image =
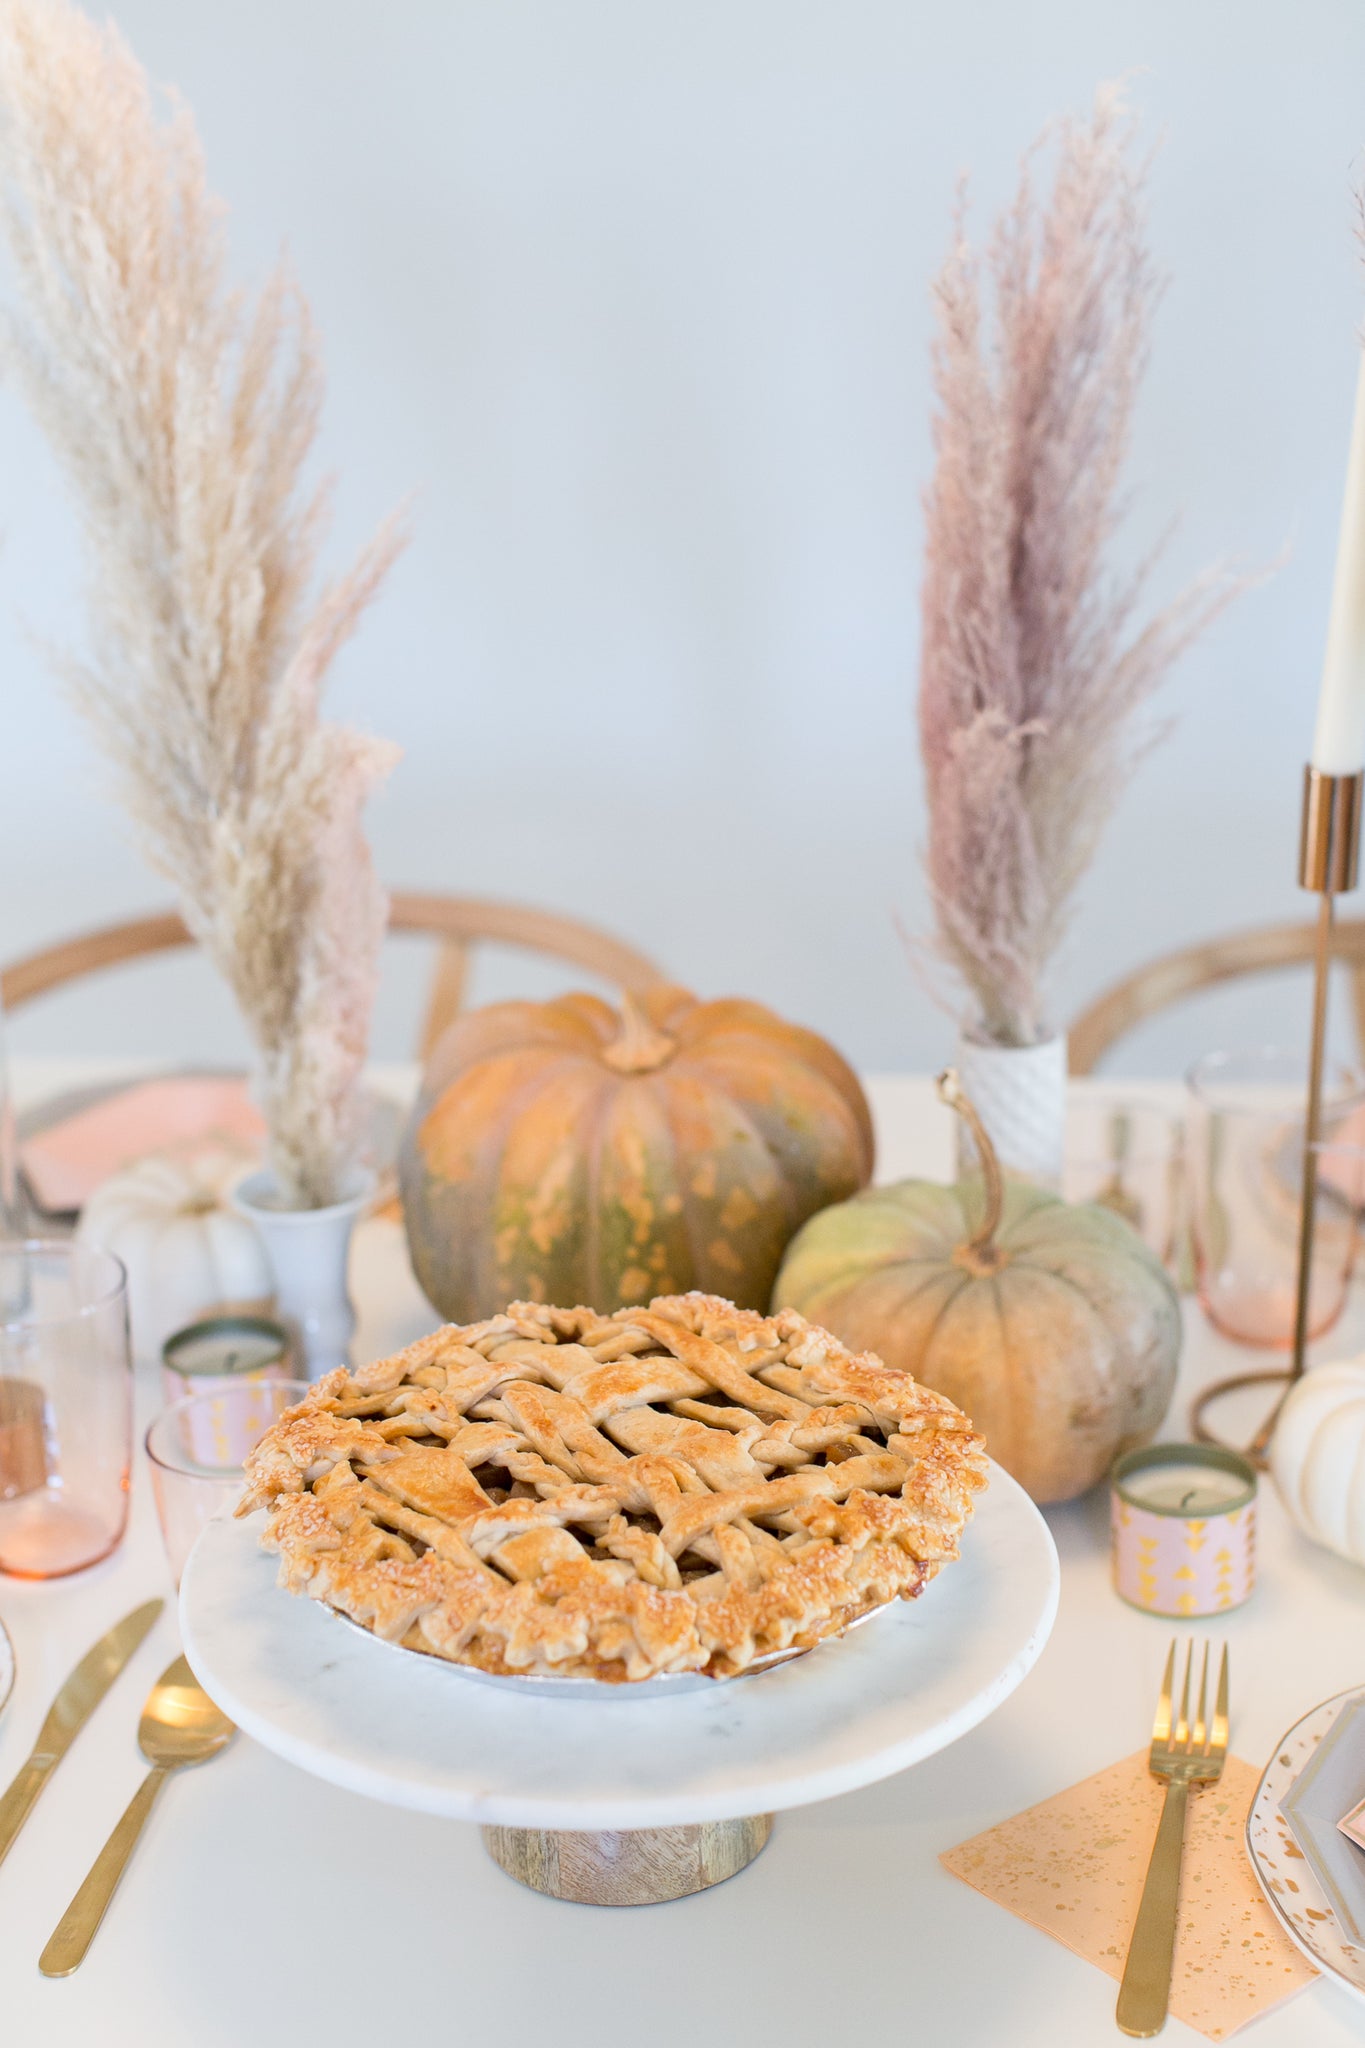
column 1339, row 739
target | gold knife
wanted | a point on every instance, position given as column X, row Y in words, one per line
column 69, row 1712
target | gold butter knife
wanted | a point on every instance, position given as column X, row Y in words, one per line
column 69, row 1712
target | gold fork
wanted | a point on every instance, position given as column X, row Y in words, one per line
column 1182, row 1756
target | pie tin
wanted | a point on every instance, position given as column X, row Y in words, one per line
column 665, row 1685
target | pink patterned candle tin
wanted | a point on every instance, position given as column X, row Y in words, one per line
column 215, row 1357
column 1182, row 1521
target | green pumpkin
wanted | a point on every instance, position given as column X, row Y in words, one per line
column 560, row 1152
column 1050, row 1323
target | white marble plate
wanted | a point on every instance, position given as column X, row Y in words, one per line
column 1296, row 1898
column 333, row 1700
column 6, row 1666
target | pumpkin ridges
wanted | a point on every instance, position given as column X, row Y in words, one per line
column 1075, row 1244
column 1355, row 1498
column 1067, row 1279
column 724, row 1016
column 816, row 1111
column 825, row 1302
column 732, row 1018
column 592, row 1195
column 1318, row 1446
column 504, row 1028
column 666, row 1004
column 858, row 1314
column 532, row 1135
column 1045, row 1222
column 455, row 1177
column 710, row 1108
column 475, row 1253
column 954, row 1283
column 1070, row 1357
column 599, row 1017
column 185, row 1253
column 949, row 1353
column 689, row 1217
column 1317, row 1456
column 1337, row 1526
column 641, row 1198
column 844, row 1227
column 1097, row 1356
column 463, row 1103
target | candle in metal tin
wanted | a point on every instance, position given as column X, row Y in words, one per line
column 1183, row 1528
column 222, row 1351
column 212, row 1358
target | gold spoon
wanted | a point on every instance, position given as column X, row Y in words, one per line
column 180, row 1725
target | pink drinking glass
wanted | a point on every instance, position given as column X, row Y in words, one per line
column 197, row 1449
column 1246, row 1135
column 66, row 1407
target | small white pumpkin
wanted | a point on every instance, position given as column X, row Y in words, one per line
column 186, row 1252
column 1317, row 1456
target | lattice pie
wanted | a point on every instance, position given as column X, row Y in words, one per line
column 679, row 1488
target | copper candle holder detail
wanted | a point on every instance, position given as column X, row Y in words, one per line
column 1329, row 866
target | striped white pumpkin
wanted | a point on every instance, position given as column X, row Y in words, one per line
column 1317, row 1456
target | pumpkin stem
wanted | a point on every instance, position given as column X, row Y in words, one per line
column 980, row 1254
column 641, row 1047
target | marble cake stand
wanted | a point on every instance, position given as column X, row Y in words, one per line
column 623, row 1801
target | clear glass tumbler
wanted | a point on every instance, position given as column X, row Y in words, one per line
column 1127, row 1154
column 66, row 1407
column 197, row 1449
column 1246, row 1137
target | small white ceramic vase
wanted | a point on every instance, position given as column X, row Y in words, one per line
column 309, row 1252
column 1020, row 1095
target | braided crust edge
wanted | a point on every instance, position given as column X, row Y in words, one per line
column 404, row 1540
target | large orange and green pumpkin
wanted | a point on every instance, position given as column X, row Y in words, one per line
column 564, row 1152
column 1050, row 1323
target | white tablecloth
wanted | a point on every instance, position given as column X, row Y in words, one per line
column 263, row 1908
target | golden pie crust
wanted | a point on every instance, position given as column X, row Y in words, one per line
column 685, row 1487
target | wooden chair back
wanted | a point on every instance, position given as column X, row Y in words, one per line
column 459, row 923
column 1270, row 949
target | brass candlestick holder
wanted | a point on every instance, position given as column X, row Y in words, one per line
column 1329, row 865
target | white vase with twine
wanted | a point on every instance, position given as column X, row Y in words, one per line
column 309, row 1252
column 1020, row 1095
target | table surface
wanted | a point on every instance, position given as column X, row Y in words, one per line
column 265, row 1906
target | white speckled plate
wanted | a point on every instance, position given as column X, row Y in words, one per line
column 1295, row 1896
column 6, row 1667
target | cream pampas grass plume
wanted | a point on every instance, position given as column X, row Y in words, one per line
column 182, row 414
column 1031, row 665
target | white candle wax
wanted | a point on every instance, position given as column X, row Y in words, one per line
column 219, row 1352
column 1193, row 1490
column 1339, row 738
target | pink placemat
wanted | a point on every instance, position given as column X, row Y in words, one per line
column 1075, row 1866
column 175, row 1113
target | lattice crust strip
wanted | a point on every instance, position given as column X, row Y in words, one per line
column 679, row 1488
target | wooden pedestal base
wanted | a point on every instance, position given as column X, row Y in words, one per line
column 628, row 1867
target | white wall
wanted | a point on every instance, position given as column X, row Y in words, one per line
column 637, row 294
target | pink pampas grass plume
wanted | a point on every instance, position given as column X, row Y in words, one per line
column 1032, row 666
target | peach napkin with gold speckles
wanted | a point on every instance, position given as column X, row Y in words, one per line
column 1075, row 1865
